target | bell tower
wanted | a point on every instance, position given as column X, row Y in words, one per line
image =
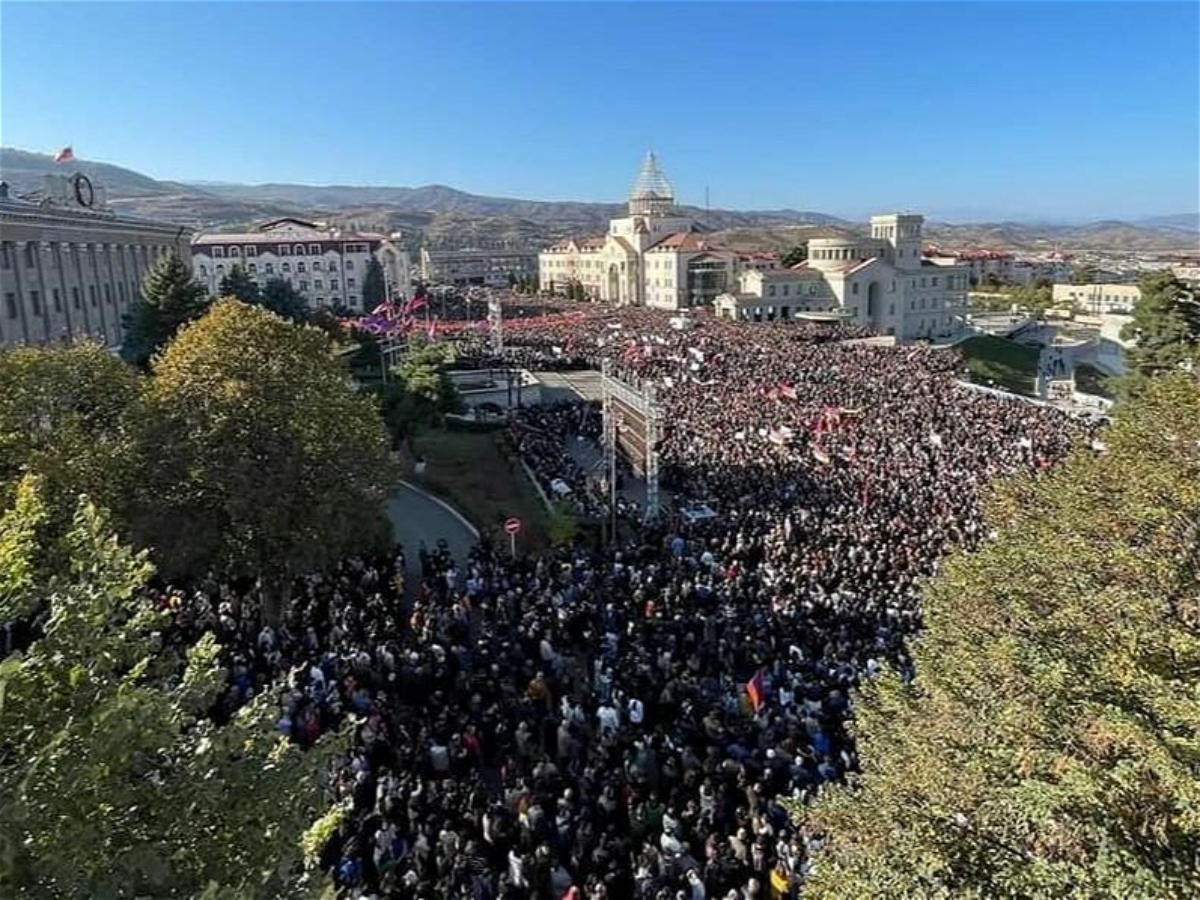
column 901, row 234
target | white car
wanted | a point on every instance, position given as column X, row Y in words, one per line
column 694, row 513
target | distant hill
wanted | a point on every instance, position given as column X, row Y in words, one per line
column 438, row 215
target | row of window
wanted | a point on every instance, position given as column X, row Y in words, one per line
column 145, row 253
column 252, row 268
column 235, row 251
column 13, row 310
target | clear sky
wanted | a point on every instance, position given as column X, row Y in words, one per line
column 965, row 110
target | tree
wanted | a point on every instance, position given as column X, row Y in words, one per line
column 170, row 299
column 1050, row 743
column 281, row 298
column 66, row 416
column 421, row 392
column 1165, row 325
column 113, row 780
column 239, row 285
column 266, row 461
column 374, row 287
column 1082, row 273
column 794, row 256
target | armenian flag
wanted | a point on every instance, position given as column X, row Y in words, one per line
column 756, row 690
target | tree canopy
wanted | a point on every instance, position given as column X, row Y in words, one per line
column 1165, row 326
column 794, row 256
column 281, row 298
column 170, row 298
column 1050, row 743
column 374, row 286
column 266, row 460
column 239, row 285
column 421, row 392
column 114, row 782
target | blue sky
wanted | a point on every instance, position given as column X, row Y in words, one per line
column 967, row 110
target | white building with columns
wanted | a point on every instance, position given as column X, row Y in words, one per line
column 881, row 282
column 652, row 257
column 325, row 265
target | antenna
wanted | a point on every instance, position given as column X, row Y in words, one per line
column 706, row 198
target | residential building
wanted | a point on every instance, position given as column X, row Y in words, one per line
column 881, row 282
column 1097, row 299
column 70, row 268
column 326, row 265
column 1003, row 266
column 654, row 256
column 476, row 266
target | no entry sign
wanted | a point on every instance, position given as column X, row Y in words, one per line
column 513, row 525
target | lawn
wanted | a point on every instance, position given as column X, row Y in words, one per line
column 472, row 472
column 999, row 361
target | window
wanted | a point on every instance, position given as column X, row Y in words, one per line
column 204, row 270
column 854, row 288
column 35, row 301
column 220, row 268
column 121, row 291
column 314, row 249
column 251, row 250
column 10, row 303
column 92, row 294
column 252, row 268
column 332, row 266
column 316, row 265
column 891, row 309
column 353, row 300
column 317, row 283
column 299, row 249
column 303, row 284
column 285, row 250
column 218, row 252
column 270, row 267
column 935, row 283
column 300, row 267
column 57, row 295
column 5, row 261
column 320, row 299
column 349, row 282
column 75, row 298
column 235, row 251
column 333, row 284
column 286, row 267
column 349, row 264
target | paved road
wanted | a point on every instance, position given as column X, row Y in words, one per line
column 584, row 384
column 416, row 518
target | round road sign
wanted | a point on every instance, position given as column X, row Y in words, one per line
column 513, row 525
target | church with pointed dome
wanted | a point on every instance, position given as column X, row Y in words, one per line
column 654, row 256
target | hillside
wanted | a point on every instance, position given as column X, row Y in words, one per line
column 438, row 215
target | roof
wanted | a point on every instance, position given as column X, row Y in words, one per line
column 651, row 183
column 685, row 240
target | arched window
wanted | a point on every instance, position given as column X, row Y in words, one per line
column 299, row 251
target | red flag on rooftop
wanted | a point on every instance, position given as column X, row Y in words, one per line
column 66, row 154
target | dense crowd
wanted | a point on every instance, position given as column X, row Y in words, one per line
column 634, row 721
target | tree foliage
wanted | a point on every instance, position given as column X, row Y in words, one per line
column 374, row 286
column 794, row 256
column 65, row 415
column 1165, row 326
column 281, row 298
column 1050, row 744
column 170, row 299
column 266, row 459
column 421, row 392
column 239, row 285
column 113, row 781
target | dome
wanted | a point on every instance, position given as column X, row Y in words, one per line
column 651, row 192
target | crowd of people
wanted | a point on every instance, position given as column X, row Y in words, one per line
column 639, row 720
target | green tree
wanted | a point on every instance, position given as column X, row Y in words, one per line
column 281, row 298
column 239, row 285
column 794, row 256
column 266, row 460
column 421, row 391
column 170, row 298
column 114, row 783
column 1165, row 326
column 1050, row 743
column 66, row 415
column 374, row 286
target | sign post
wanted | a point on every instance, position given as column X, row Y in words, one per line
column 512, row 526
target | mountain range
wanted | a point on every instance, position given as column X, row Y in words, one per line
column 437, row 215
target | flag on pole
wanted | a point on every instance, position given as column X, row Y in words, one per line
column 787, row 390
column 66, row 154
column 756, row 690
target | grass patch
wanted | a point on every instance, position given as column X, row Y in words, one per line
column 999, row 361
column 472, row 471
column 1091, row 380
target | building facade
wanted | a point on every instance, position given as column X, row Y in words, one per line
column 651, row 257
column 489, row 268
column 70, row 268
column 1097, row 299
column 882, row 282
column 1004, row 267
column 325, row 265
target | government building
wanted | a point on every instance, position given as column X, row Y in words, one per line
column 70, row 268
column 652, row 257
column 882, row 282
column 325, row 265
column 657, row 257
